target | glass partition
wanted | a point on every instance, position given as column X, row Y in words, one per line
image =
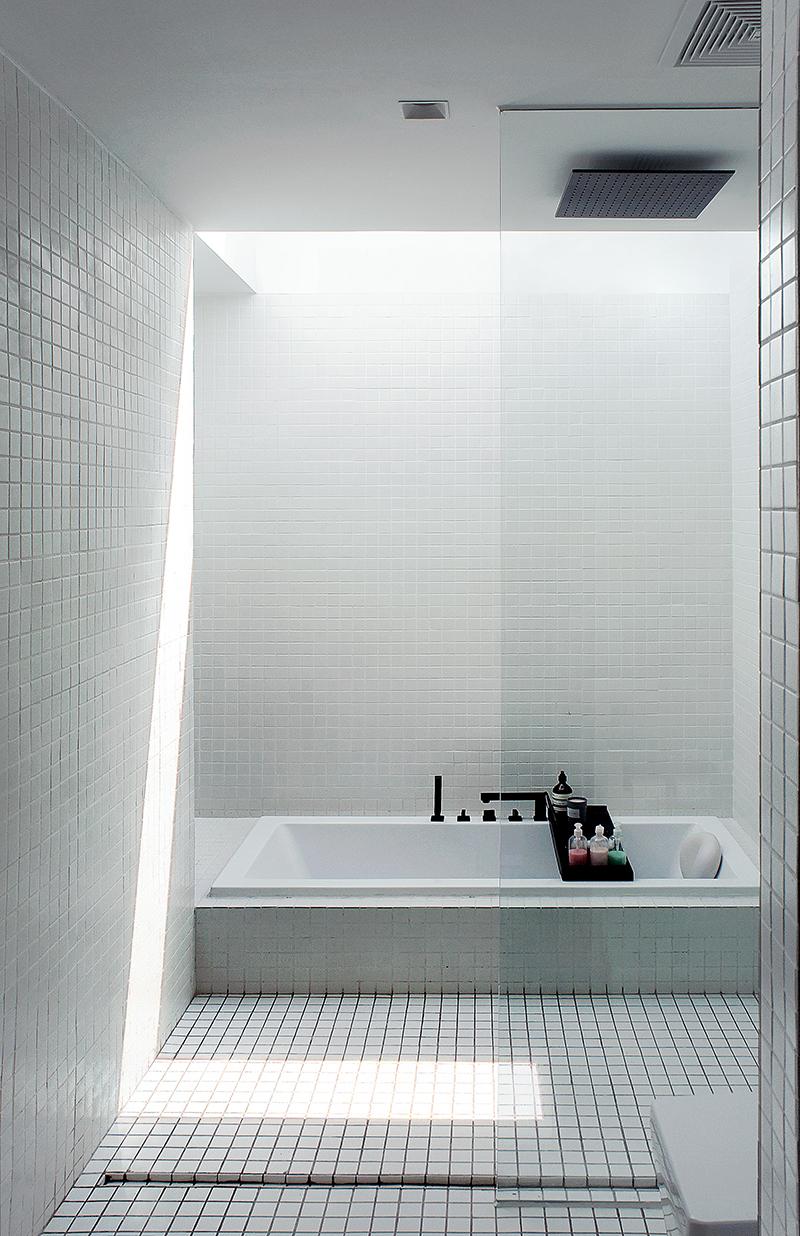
column 628, row 571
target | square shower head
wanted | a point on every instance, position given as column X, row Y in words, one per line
column 618, row 194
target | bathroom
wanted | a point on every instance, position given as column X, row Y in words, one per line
column 399, row 408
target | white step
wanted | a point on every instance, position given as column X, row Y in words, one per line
column 706, row 1154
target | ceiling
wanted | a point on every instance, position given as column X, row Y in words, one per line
column 283, row 114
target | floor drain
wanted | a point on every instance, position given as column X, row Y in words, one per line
column 329, row 1180
column 612, row 1199
column 528, row 1190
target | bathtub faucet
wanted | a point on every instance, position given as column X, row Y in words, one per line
column 537, row 797
column 437, row 817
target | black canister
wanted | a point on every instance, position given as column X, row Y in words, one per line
column 576, row 809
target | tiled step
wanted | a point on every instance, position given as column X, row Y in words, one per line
column 173, row 1210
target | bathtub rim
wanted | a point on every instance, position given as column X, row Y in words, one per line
column 487, row 893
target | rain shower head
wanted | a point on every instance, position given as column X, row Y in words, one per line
column 638, row 194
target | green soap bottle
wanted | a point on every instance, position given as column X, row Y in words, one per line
column 616, row 849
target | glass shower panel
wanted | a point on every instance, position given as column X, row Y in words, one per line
column 621, row 346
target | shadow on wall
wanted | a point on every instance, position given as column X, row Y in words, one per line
column 143, row 1029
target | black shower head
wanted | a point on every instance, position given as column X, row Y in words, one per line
column 639, row 194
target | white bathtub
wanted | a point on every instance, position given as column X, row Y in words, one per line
column 312, row 905
column 312, row 859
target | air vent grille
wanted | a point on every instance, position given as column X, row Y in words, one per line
column 727, row 33
column 425, row 109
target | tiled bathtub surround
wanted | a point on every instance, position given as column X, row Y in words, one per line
column 467, row 948
column 780, row 949
column 96, row 810
column 399, row 496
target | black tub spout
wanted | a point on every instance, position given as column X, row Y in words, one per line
column 437, row 817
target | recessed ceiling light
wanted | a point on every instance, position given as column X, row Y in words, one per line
column 425, row 109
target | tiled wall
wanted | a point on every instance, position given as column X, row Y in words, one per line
column 470, row 948
column 616, row 548
column 96, row 805
column 780, row 962
column 347, row 555
column 388, row 509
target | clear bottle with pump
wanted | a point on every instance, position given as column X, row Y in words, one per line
column 616, row 849
column 598, row 848
column 578, row 850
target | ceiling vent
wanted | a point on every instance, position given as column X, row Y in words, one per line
column 425, row 109
column 727, row 33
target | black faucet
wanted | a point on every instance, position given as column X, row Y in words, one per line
column 437, row 817
column 537, row 797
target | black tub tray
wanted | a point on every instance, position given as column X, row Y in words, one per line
column 561, row 830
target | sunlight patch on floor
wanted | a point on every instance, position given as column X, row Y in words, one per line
column 319, row 1089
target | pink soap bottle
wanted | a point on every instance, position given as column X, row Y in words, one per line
column 578, row 850
column 598, row 848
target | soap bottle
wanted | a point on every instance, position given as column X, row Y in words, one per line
column 598, row 848
column 560, row 794
column 616, row 849
column 578, row 850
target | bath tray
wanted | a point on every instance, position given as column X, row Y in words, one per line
column 561, row 830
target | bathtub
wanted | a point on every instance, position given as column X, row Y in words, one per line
column 349, row 905
column 348, row 859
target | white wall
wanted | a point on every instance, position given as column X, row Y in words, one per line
column 616, row 658
column 96, row 947
column 400, row 490
column 347, row 516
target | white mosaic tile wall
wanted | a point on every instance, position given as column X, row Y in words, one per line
column 381, row 522
column 347, row 586
column 616, row 543
column 95, row 280
column 780, row 619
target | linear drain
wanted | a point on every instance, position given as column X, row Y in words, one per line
column 283, row 1180
column 617, row 1199
column 419, row 1180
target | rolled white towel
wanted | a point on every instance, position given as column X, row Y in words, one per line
column 700, row 856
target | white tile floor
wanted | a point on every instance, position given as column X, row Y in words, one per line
column 341, row 1100
column 154, row 1210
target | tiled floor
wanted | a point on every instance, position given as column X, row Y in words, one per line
column 379, row 1114
column 154, row 1210
column 420, row 1090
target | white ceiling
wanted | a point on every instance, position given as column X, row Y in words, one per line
column 283, row 113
